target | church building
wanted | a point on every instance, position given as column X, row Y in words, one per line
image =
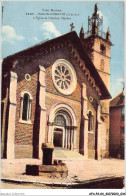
column 58, row 92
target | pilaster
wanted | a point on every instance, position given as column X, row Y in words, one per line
column 85, row 117
column 42, row 94
column 66, row 138
column 74, row 139
column 12, row 115
column 99, row 132
column 50, row 132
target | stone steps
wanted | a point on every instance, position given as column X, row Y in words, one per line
column 64, row 153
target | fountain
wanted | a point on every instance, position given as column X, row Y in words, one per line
column 49, row 167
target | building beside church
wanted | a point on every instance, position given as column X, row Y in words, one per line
column 117, row 123
column 58, row 91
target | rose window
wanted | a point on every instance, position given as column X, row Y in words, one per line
column 64, row 77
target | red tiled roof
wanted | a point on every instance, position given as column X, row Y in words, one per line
column 119, row 100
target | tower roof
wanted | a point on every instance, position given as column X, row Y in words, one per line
column 95, row 19
column 95, row 26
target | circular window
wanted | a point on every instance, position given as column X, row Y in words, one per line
column 27, row 77
column 64, row 77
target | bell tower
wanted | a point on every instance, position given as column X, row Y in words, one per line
column 97, row 44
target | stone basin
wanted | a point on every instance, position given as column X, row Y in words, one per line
column 58, row 170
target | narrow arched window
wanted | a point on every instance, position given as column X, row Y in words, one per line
column 102, row 49
column 90, row 121
column 25, row 107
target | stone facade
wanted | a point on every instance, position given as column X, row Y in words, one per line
column 56, row 96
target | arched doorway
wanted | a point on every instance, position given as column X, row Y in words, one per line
column 62, row 135
column 59, row 125
column 58, row 137
column 62, row 127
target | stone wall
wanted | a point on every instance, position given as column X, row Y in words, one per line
column 116, row 123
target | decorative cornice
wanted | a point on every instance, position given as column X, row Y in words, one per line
column 102, row 54
column 85, row 70
column 103, row 72
column 67, row 127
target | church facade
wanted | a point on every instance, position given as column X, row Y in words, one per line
column 58, row 92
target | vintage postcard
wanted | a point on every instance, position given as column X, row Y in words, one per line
column 62, row 97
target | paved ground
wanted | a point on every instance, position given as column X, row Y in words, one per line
column 12, row 185
column 80, row 169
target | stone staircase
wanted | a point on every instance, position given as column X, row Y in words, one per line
column 61, row 153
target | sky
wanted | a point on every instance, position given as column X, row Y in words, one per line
column 25, row 24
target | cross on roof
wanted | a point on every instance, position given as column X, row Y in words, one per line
column 72, row 26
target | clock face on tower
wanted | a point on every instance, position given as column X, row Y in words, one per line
column 64, row 77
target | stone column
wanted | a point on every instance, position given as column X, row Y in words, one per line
column 12, row 115
column 50, row 132
column 30, row 109
column 42, row 94
column 66, row 131
column 74, row 139
column 98, row 132
column 63, row 137
column 68, row 138
column 71, row 138
column 21, row 107
column 85, row 117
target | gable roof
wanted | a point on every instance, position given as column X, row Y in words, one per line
column 73, row 38
column 119, row 100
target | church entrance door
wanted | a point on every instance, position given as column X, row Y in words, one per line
column 58, row 137
column 62, row 127
column 62, row 133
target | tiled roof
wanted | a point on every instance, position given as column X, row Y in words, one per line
column 74, row 39
column 119, row 100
